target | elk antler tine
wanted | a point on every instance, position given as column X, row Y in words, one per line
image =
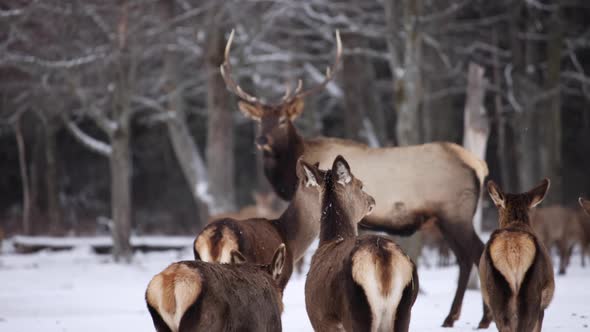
column 228, row 45
column 330, row 70
column 287, row 92
column 299, row 86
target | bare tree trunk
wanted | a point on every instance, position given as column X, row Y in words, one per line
column 363, row 119
column 120, row 163
column 551, row 118
column 475, row 136
column 477, row 126
column 505, row 152
column 22, row 159
column 220, row 140
column 51, row 179
column 409, row 83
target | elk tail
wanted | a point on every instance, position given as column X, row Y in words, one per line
column 383, row 271
column 171, row 292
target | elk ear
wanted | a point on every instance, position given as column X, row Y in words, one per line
column 308, row 173
column 585, row 204
column 537, row 194
column 341, row 169
column 278, row 261
column 236, row 257
column 294, row 108
column 251, row 111
column 496, row 194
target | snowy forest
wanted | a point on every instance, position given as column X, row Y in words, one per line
column 127, row 118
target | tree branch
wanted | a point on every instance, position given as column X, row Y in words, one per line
column 88, row 141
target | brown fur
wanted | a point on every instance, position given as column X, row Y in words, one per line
column 298, row 226
column 198, row 296
column 356, row 284
column 515, row 270
column 561, row 227
column 265, row 207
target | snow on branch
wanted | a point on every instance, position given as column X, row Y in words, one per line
column 59, row 64
column 87, row 140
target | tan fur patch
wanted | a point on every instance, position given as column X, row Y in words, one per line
column 512, row 254
column 216, row 251
column 203, row 244
column 172, row 291
column 383, row 291
column 480, row 166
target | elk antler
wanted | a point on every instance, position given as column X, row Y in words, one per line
column 288, row 97
column 329, row 75
column 227, row 77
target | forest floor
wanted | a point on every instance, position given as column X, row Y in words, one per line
column 77, row 290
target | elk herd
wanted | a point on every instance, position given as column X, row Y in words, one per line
column 358, row 282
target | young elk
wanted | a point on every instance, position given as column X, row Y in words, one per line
column 363, row 283
column 561, row 227
column 192, row 296
column 515, row 269
column 297, row 227
column 412, row 184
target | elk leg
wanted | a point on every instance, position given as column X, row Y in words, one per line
column 562, row 251
column 478, row 246
column 463, row 251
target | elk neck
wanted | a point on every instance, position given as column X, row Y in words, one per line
column 280, row 167
column 299, row 224
column 515, row 217
column 335, row 221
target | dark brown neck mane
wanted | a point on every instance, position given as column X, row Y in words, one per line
column 335, row 222
column 279, row 165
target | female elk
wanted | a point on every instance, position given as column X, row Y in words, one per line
column 297, row 227
column 192, row 296
column 357, row 283
column 413, row 184
column 515, row 269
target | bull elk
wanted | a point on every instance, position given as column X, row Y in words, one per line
column 361, row 283
column 255, row 238
column 192, row 296
column 516, row 273
column 413, row 184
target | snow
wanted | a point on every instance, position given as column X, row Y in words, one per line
column 77, row 290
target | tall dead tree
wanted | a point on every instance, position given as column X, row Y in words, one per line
column 117, row 128
column 220, row 140
column 24, row 174
column 476, row 124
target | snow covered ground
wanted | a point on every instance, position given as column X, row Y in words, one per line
column 80, row 291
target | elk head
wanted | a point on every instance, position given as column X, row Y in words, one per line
column 348, row 191
column 275, row 119
column 274, row 268
column 585, row 204
column 514, row 208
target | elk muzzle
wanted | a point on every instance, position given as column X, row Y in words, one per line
column 263, row 143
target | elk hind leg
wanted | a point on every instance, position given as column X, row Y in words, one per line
column 463, row 250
